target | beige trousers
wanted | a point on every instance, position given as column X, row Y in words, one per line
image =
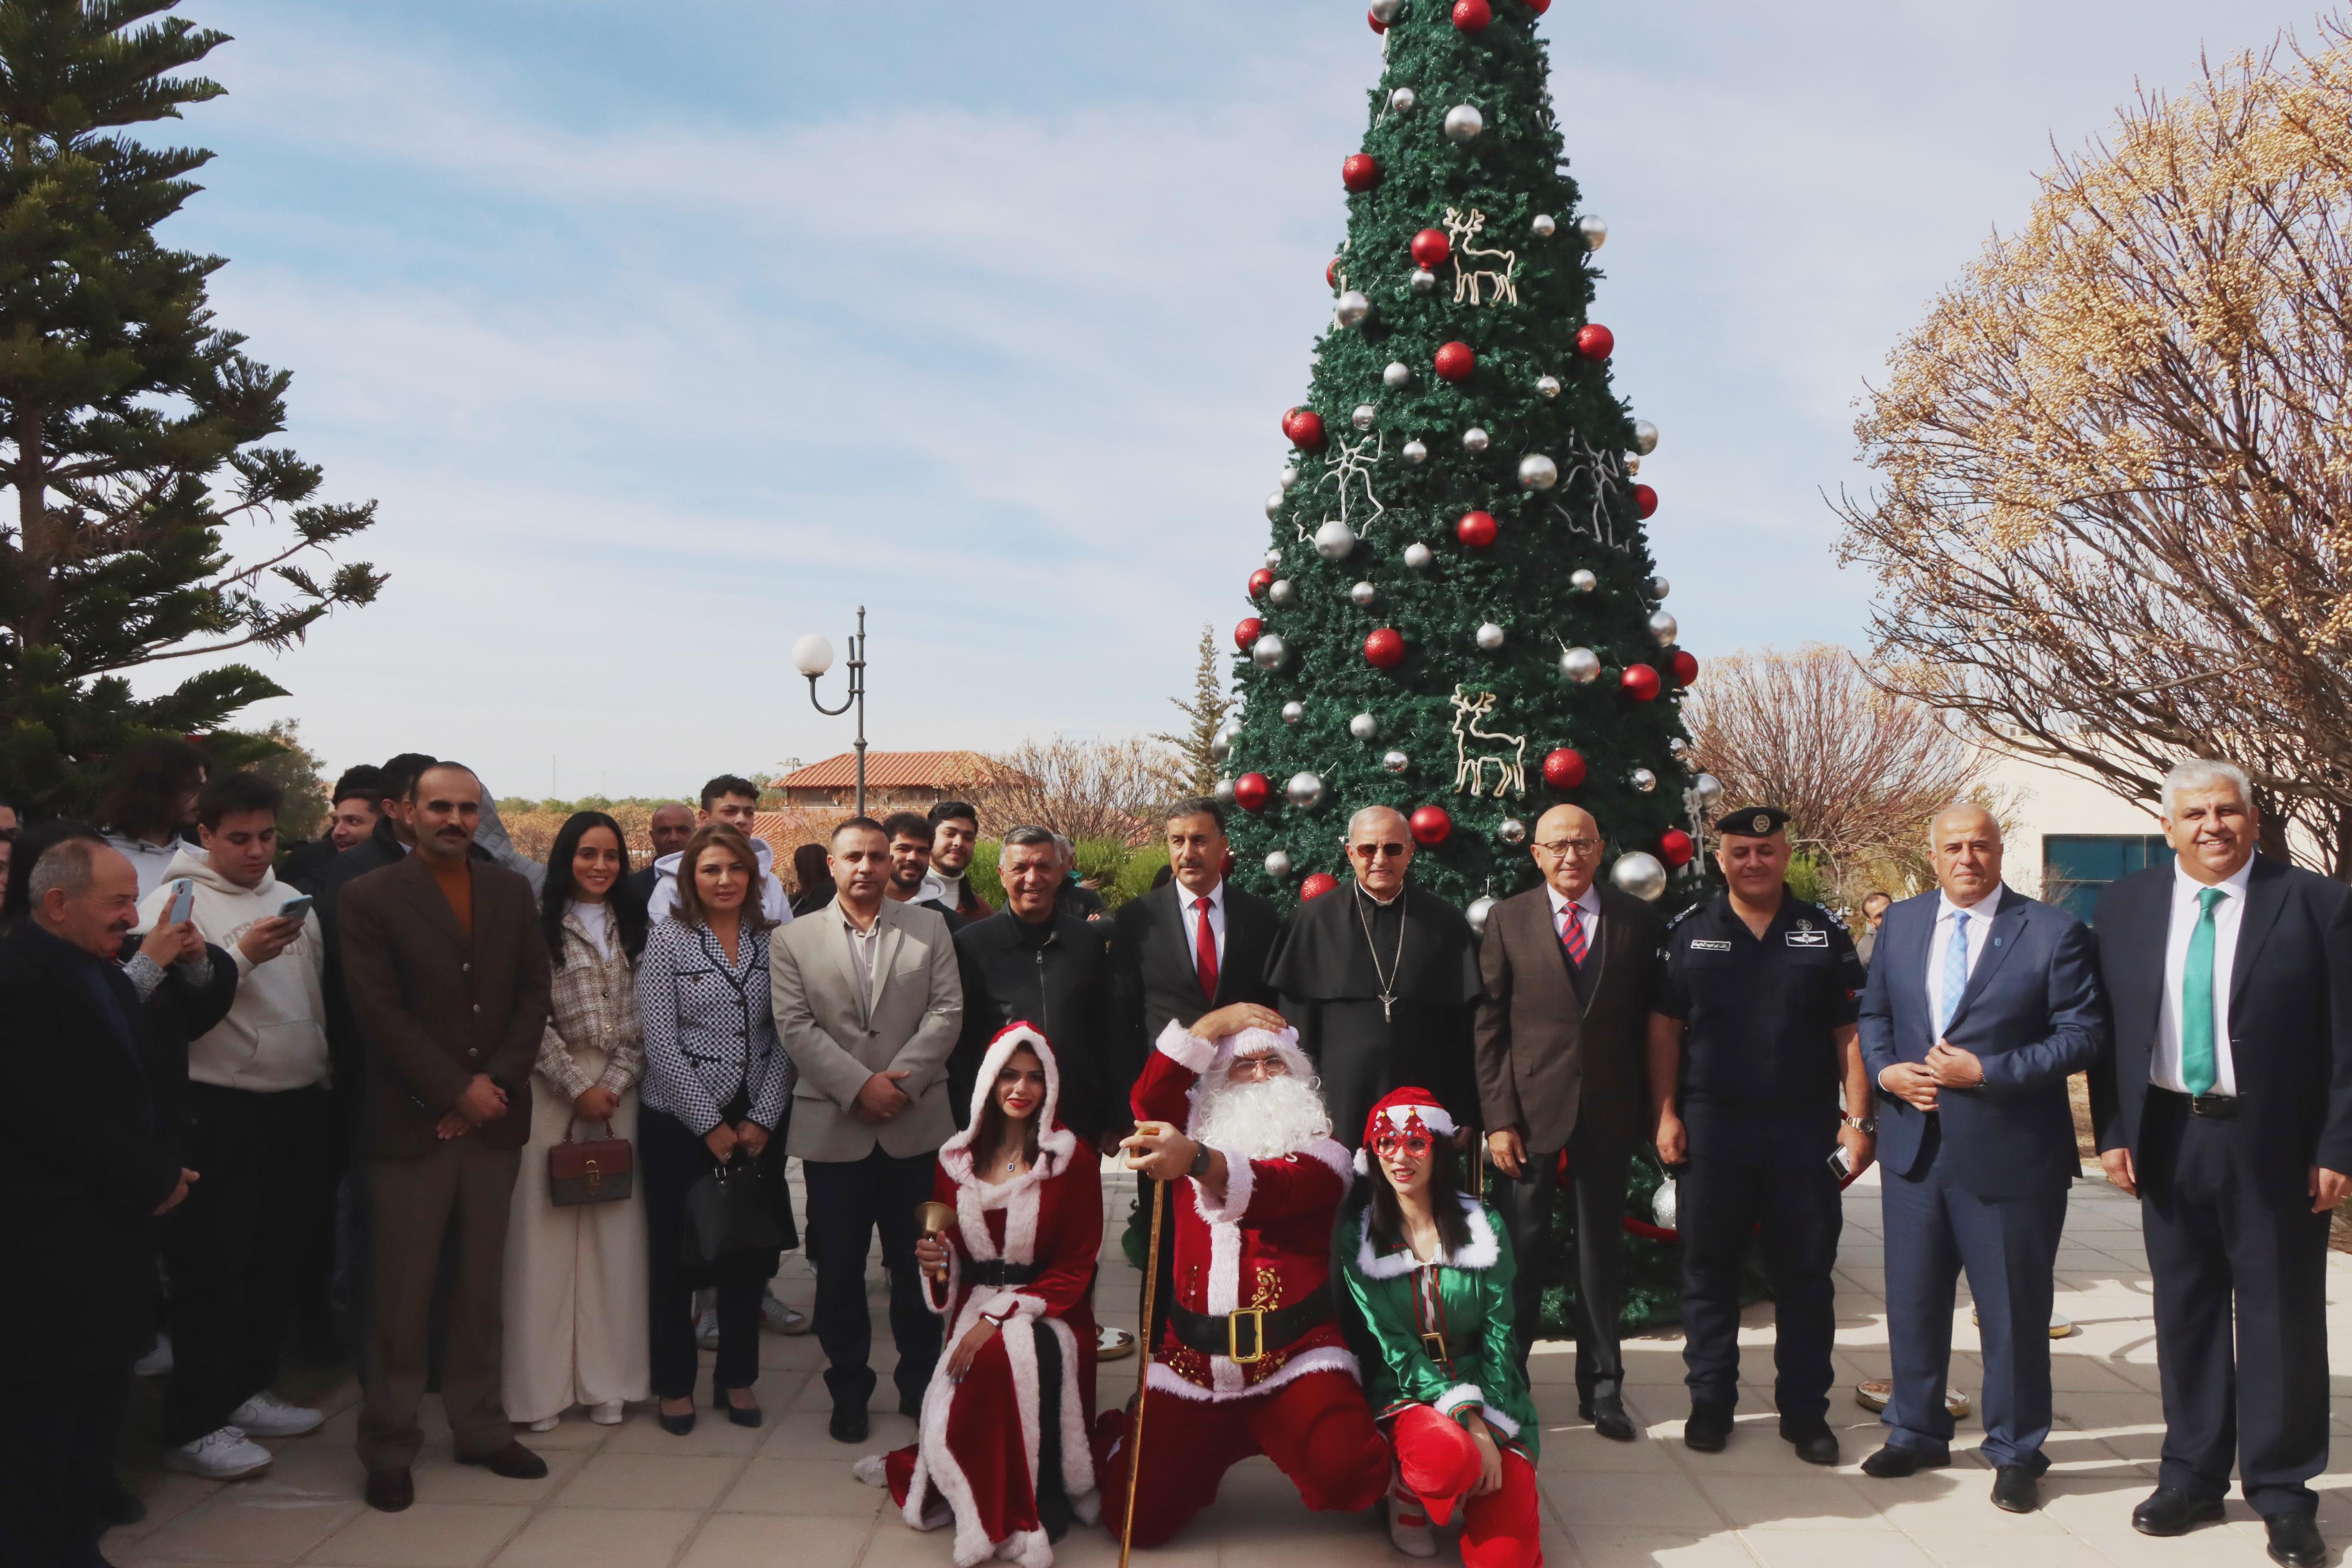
column 575, row 1277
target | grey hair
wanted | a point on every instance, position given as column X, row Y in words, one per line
column 2203, row 773
column 69, row 866
column 1026, row 838
column 1950, row 806
column 1357, row 821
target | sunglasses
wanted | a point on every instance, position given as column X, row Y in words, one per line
column 1372, row 852
column 1413, row 1146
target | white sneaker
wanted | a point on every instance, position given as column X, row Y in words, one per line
column 706, row 1329
column 778, row 1318
column 157, row 1362
column 267, row 1415
column 546, row 1424
column 608, row 1414
column 221, row 1455
column 1409, row 1531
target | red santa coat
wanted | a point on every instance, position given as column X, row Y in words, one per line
column 1267, row 1244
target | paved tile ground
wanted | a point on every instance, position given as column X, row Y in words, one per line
column 633, row 1497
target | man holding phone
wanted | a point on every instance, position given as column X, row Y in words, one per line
column 260, row 1122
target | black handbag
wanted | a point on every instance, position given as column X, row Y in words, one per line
column 728, row 1215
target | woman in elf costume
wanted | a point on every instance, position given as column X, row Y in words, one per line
column 1431, row 1272
column 1002, row 1449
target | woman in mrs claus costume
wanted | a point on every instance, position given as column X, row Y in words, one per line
column 1002, row 1451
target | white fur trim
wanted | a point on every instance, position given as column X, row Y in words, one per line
column 1482, row 1251
column 1458, row 1395
column 1497, row 1420
column 1362, row 1167
column 1240, row 1183
column 1028, row 1548
column 1077, row 1444
column 869, row 1469
column 1432, row 1117
column 1187, row 1050
column 1055, row 1146
column 1323, row 1358
column 1328, row 1150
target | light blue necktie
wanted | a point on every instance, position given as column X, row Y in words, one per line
column 1956, row 969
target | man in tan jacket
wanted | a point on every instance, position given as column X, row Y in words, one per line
column 868, row 1004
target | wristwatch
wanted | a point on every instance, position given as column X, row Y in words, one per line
column 1864, row 1124
column 1200, row 1166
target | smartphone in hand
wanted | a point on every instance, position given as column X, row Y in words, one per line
column 296, row 908
column 183, row 902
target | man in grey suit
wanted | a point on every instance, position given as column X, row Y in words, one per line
column 868, row 1003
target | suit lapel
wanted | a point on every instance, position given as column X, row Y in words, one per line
column 886, row 950
column 1177, row 953
column 2008, row 920
column 424, row 894
column 1905, row 944
column 2266, row 896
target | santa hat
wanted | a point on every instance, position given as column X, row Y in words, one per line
column 1259, row 1042
column 1398, row 1110
column 1054, row 1142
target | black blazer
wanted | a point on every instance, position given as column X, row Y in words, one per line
column 1063, row 987
column 90, row 1158
column 1154, row 983
column 2290, row 1017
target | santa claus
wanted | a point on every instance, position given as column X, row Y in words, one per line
column 1252, row 1361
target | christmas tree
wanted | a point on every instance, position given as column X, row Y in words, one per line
column 1459, row 616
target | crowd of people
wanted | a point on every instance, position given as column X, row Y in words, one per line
column 524, row 1130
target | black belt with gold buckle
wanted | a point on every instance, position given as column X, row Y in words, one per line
column 1243, row 1337
column 2212, row 1107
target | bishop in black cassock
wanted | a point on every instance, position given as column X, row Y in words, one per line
column 1380, row 978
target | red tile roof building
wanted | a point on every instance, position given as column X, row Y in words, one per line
column 911, row 780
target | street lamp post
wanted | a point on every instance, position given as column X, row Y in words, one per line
column 812, row 656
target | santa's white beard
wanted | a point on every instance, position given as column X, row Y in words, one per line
column 1264, row 1120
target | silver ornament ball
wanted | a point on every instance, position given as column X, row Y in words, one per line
column 1666, row 1204
column 1640, row 873
column 1293, row 712
column 1282, row 593
column 1274, row 505
column 1660, row 587
column 1335, row 540
column 1645, row 437
column 1398, row 374
column 1475, row 439
column 1305, row 790
column 1273, row 558
column 1418, row 556
column 1595, row 232
column 1537, row 471
column 1633, row 463
column 1582, row 666
column 1395, row 761
column 1223, row 792
column 1364, row 415
column 1353, row 309
column 1290, row 476
column 1221, row 744
column 1463, row 122
column 1476, row 915
column 1707, row 788
column 1278, row 865
column 1268, row 652
column 1364, row 726
column 1663, row 628
column 1511, row 831
column 1583, row 580
column 1544, row 226
column 1422, row 281
column 1643, row 779
column 1548, row 386
column 1401, row 100
column 1416, row 453
column 1490, row 637
column 1362, row 595
column 1386, row 10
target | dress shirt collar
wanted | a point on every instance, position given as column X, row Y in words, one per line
column 2185, row 888
column 1375, row 899
column 1188, row 898
column 1985, row 908
column 1588, row 901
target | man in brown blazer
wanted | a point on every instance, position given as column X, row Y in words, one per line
column 1567, row 969
column 447, row 975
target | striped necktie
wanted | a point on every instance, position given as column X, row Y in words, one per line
column 1956, row 970
column 1571, row 935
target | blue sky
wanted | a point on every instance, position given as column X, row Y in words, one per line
column 665, row 333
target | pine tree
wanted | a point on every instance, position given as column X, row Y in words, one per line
column 1197, row 747
column 1458, row 617
column 130, row 425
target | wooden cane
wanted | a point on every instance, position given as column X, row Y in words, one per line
column 1142, row 1370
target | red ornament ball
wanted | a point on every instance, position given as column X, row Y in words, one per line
column 1472, row 15
column 1563, row 768
column 1361, row 173
column 1455, row 361
column 1303, row 426
column 1539, row 6
column 1332, row 272
column 1260, row 580
column 1384, row 649
column 1374, row 18
column 1675, row 847
column 1686, row 667
column 1595, row 341
column 1247, row 631
column 1251, row 791
column 1640, row 683
column 1430, row 825
column 1476, row 529
column 1645, row 500
column 1430, row 247
column 1316, row 886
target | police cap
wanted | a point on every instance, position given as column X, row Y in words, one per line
column 1752, row 822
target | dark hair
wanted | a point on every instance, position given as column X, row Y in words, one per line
column 1164, row 876
column 232, row 794
column 907, row 825
column 1876, row 892
column 728, row 784
column 32, row 843
column 809, row 868
column 1373, row 1192
column 398, row 777
column 728, row 837
column 1198, row 805
column 848, row 824
column 555, row 896
column 955, row 811
column 989, row 1125
column 148, row 784
column 364, row 783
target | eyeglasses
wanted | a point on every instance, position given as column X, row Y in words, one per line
column 1412, row 1145
column 1258, row 1068
column 1560, row 849
column 1376, row 852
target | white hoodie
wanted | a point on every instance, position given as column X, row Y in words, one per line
column 662, row 903
column 275, row 1037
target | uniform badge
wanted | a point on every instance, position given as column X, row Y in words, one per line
column 1708, row 945
column 1763, row 824
column 1807, row 934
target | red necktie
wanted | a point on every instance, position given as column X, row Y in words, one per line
column 1571, row 935
column 1204, row 957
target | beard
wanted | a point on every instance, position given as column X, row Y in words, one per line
column 1262, row 1120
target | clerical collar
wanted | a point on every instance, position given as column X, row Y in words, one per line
column 1363, row 892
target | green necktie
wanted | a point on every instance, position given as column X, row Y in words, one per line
column 2196, row 1070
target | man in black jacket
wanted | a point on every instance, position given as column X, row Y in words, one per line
column 1028, row 963
column 2225, row 1103
column 77, row 1217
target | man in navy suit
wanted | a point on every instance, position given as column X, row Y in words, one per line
column 2226, row 1105
column 1981, row 1002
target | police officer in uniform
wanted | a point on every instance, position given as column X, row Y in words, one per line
column 1752, row 1036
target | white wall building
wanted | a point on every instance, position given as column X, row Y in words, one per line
column 2070, row 837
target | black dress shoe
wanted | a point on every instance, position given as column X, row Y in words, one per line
column 1814, row 1442
column 675, row 1426
column 389, row 1491
column 740, row 1415
column 2169, row 1511
column 514, row 1461
column 911, row 1405
column 1890, row 1463
column 2294, row 1541
column 849, row 1424
column 1708, row 1428
column 118, row 1505
column 1608, row 1417
column 2016, row 1489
